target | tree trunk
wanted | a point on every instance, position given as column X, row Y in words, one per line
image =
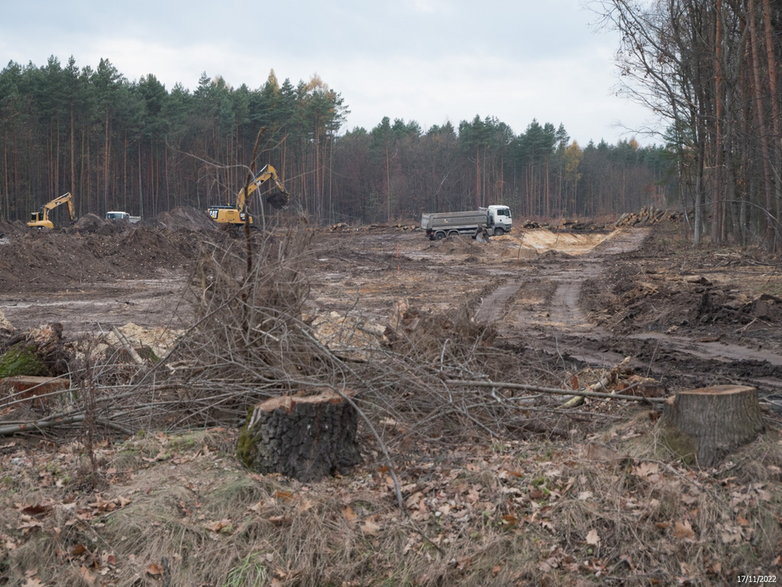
column 775, row 104
column 303, row 437
column 708, row 423
column 718, row 147
column 762, row 128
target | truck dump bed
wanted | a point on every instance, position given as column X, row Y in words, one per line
column 452, row 220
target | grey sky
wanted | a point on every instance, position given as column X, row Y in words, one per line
column 431, row 61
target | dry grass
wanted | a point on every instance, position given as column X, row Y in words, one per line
column 550, row 513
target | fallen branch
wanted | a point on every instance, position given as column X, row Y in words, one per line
column 602, row 383
column 128, row 347
column 37, row 425
column 538, row 388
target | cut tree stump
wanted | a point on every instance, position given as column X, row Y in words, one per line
column 303, row 437
column 708, row 423
column 29, row 388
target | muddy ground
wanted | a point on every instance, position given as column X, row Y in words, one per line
column 688, row 317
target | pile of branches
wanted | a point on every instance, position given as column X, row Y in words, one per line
column 249, row 341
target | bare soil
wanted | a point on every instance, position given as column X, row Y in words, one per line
column 688, row 317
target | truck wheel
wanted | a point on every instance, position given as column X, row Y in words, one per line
column 498, row 231
column 439, row 235
column 453, row 233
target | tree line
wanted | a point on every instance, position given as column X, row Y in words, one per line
column 139, row 147
column 711, row 69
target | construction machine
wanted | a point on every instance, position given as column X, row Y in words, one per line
column 237, row 213
column 494, row 219
column 40, row 219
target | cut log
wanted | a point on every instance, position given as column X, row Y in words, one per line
column 303, row 437
column 706, row 424
column 23, row 389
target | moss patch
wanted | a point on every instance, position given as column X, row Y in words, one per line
column 680, row 444
column 245, row 448
column 20, row 360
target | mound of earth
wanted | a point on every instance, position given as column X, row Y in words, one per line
column 185, row 218
column 457, row 245
column 88, row 222
column 57, row 260
column 699, row 294
column 8, row 228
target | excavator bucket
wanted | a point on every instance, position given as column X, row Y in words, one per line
column 278, row 198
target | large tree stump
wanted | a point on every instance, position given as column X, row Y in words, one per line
column 303, row 437
column 708, row 423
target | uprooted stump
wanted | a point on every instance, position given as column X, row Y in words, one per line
column 706, row 424
column 303, row 437
column 40, row 351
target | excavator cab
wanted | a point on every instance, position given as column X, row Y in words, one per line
column 237, row 214
column 40, row 219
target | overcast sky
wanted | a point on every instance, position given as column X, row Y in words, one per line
column 431, row 61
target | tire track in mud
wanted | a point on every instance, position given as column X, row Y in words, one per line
column 561, row 312
column 556, row 324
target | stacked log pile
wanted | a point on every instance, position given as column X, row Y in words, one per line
column 647, row 217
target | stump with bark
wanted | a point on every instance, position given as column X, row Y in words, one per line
column 706, row 424
column 303, row 437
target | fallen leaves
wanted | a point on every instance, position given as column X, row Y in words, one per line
column 593, row 538
column 101, row 505
column 648, row 471
column 574, row 513
column 682, row 529
column 224, row 526
column 35, row 509
column 155, row 570
column 371, row 526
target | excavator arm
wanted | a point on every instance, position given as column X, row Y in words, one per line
column 237, row 213
column 40, row 219
column 268, row 172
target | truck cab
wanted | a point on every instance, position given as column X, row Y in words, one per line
column 498, row 219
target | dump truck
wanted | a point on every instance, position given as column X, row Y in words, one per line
column 493, row 220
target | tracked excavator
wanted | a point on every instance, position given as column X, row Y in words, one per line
column 40, row 219
column 237, row 213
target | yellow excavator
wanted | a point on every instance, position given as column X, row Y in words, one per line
column 40, row 219
column 237, row 214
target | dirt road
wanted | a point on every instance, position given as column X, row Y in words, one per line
column 558, row 324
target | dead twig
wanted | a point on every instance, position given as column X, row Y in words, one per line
column 552, row 390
